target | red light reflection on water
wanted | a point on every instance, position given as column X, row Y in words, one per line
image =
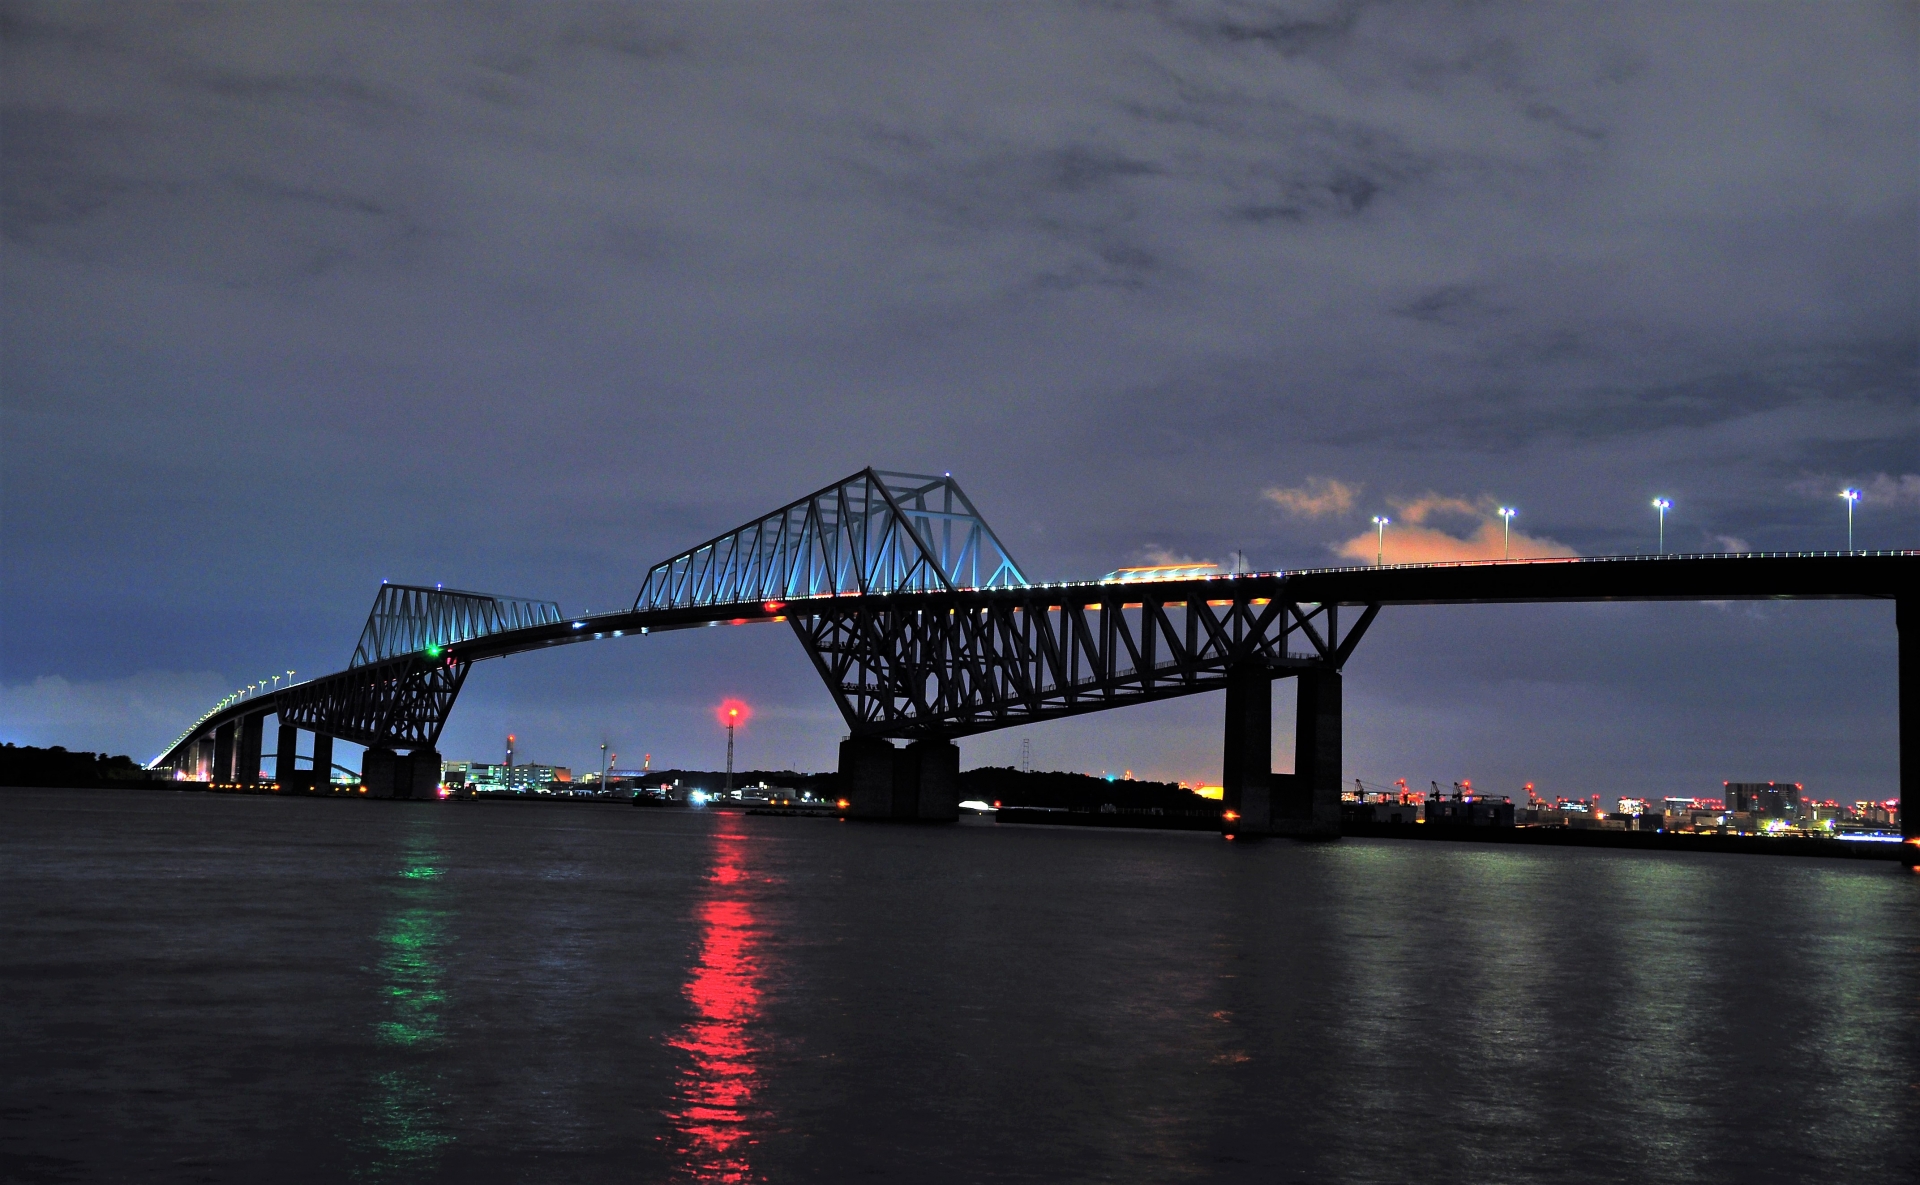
column 713, row 1123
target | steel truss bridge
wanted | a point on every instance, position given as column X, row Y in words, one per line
column 924, row 628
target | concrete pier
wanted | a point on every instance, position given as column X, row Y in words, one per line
column 286, row 747
column 223, row 753
column 1246, row 759
column 1312, row 809
column 246, row 757
column 1304, row 804
column 918, row 783
column 322, row 761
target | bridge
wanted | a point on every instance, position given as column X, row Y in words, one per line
column 924, row 629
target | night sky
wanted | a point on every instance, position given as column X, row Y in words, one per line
column 523, row 299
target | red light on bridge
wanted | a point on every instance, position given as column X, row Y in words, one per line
column 1229, row 816
column 774, row 606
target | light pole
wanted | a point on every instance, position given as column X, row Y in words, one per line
column 604, row 765
column 733, row 718
column 1851, row 496
column 1506, row 532
column 1662, row 505
column 1380, row 540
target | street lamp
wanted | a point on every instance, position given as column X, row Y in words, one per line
column 1851, row 496
column 1506, row 532
column 1662, row 505
column 1380, row 539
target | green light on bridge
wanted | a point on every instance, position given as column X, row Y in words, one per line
column 433, row 652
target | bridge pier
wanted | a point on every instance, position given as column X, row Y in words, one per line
column 223, row 754
column 322, row 761
column 247, row 755
column 286, row 747
column 377, row 771
column 1246, row 759
column 1304, row 804
column 920, row 782
column 1906, row 616
column 1312, row 807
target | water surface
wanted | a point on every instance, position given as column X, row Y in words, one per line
column 226, row 988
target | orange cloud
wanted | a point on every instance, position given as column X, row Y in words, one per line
column 1415, row 544
column 1319, row 497
column 1418, row 510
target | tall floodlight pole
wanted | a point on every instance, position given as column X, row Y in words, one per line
column 604, row 765
column 1851, row 496
column 1380, row 540
column 733, row 717
column 1506, row 532
column 1662, row 505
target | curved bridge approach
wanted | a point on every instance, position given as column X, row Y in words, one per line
column 924, row 628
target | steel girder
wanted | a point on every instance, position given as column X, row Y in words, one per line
column 408, row 618
column 396, row 703
column 950, row 666
column 874, row 533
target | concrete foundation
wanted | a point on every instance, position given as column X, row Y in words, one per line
column 246, row 758
column 934, row 767
column 322, row 761
column 378, row 772
column 424, row 770
column 918, row 783
column 1246, row 758
column 285, row 747
column 866, row 777
column 1312, row 799
column 222, row 754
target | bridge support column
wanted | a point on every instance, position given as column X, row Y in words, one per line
column 1907, row 623
column 322, row 762
column 247, row 758
column 223, row 754
column 423, row 780
column 931, row 779
column 378, row 770
column 1311, row 809
column 285, row 748
column 1246, row 759
column 866, row 777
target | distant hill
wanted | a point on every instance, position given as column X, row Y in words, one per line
column 25, row 765
column 1011, row 787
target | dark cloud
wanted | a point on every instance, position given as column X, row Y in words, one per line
column 302, row 297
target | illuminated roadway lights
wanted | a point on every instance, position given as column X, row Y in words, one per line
column 1662, row 505
column 1506, row 532
column 1380, row 522
column 1851, row 496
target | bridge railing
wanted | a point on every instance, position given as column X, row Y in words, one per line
column 876, row 532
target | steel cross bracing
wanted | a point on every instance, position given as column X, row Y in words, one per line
column 407, row 619
column 926, row 666
column 875, row 532
column 400, row 702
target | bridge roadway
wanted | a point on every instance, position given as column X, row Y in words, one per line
column 928, row 666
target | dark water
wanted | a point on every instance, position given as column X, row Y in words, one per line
column 212, row 988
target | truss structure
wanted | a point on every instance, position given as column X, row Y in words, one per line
column 397, row 703
column 408, row 619
column 950, row 666
column 872, row 534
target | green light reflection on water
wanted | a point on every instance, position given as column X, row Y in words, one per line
column 402, row 1128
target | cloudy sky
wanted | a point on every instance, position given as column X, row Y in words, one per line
column 298, row 298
